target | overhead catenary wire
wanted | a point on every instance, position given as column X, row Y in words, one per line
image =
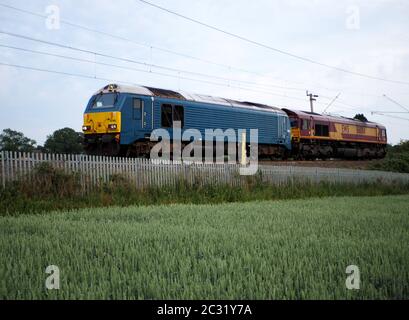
column 159, row 73
column 265, row 86
column 392, row 112
column 353, row 107
column 397, row 103
column 179, row 77
column 122, row 38
column 341, row 102
column 383, row 115
column 177, row 53
column 248, row 83
column 141, row 70
column 389, row 116
column 94, row 77
column 94, row 53
column 331, row 103
column 64, row 73
column 268, row 47
column 342, row 108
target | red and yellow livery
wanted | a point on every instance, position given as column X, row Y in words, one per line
column 323, row 136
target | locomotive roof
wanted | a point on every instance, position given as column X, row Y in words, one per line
column 182, row 95
column 332, row 118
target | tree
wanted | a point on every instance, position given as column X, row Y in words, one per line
column 11, row 140
column 41, row 149
column 361, row 117
column 64, row 141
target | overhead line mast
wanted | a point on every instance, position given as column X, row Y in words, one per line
column 312, row 100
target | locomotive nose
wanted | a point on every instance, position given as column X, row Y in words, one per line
column 102, row 132
column 102, row 123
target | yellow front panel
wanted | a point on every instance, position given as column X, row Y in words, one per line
column 296, row 134
column 99, row 122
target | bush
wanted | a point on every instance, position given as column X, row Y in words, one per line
column 398, row 164
column 48, row 180
column 396, row 160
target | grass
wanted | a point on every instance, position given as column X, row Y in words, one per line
column 23, row 198
column 50, row 189
column 14, row 203
column 261, row 250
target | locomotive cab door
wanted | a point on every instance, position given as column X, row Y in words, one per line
column 307, row 127
column 312, row 127
column 141, row 116
column 379, row 133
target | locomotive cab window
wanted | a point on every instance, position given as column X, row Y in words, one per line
column 305, row 124
column 179, row 115
column 167, row 121
column 137, row 109
column 294, row 123
column 321, row 130
column 107, row 100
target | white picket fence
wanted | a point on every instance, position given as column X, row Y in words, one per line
column 96, row 170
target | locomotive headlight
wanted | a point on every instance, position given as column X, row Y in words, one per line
column 113, row 127
column 86, row 128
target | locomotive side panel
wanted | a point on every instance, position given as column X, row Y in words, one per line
column 273, row 128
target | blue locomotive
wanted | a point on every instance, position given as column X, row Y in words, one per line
column 119, row 120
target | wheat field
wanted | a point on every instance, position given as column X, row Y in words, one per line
column 296, row 249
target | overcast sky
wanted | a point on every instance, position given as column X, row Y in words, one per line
column 369, row 37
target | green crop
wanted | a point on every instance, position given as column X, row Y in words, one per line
column 261, row 250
